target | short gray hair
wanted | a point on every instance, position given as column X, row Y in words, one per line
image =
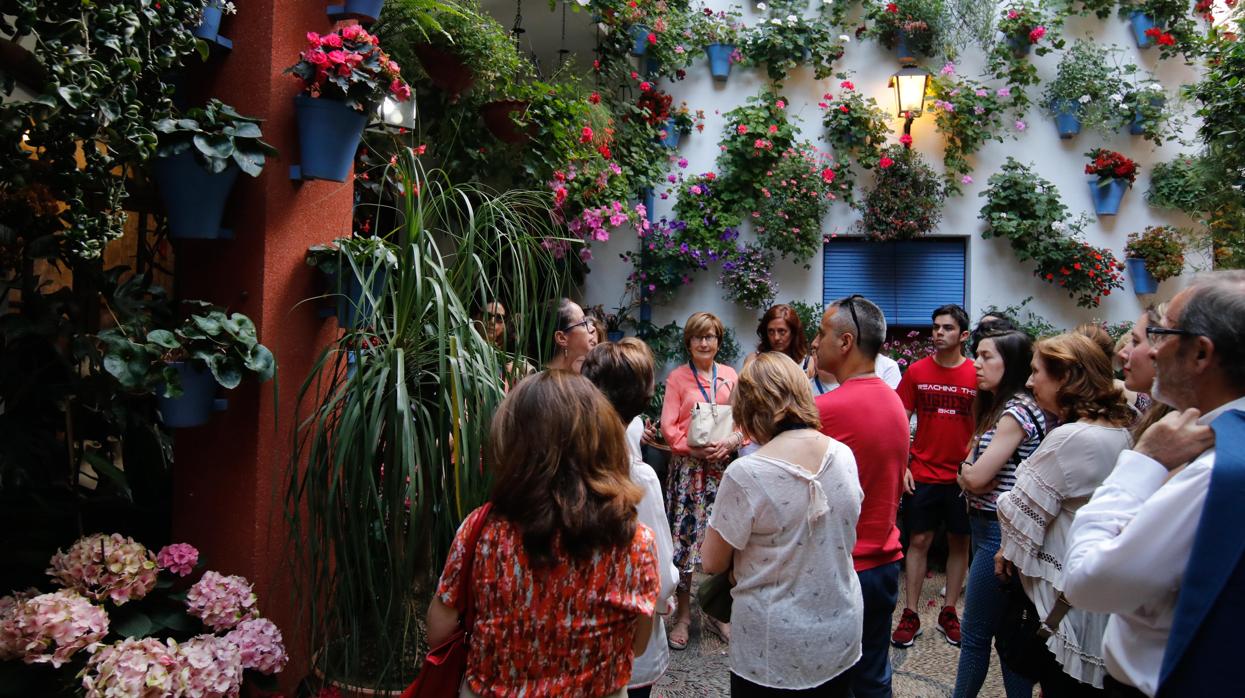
column 1216, row 310
column 872, row 331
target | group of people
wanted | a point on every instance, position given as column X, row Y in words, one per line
column 1097, row 530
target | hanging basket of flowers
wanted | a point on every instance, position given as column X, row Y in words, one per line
column 906, row 200
column 1153, row 256
column 1113, row 174
column 345, row 75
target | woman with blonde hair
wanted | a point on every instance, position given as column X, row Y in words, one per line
column 692, row 481
column 564, row 579
column 1071, row 378
column 785, row 524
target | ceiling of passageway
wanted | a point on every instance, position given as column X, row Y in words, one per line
column 543, row 35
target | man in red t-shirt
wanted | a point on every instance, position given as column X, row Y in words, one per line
column 940, row 390
column 867, row 415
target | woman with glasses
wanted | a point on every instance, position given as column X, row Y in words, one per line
column 575, row 336
column 695, row 471
column 1071, row 378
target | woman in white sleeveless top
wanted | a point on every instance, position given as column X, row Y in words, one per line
column 785, row 523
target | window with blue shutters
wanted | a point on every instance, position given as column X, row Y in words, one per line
column 907, row 279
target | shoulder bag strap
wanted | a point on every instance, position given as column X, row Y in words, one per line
column 473, row 537
column 1037, row 421
column 713, row 382
column 1055, row 617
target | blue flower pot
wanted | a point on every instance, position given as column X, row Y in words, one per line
column 198, row 399
column 650, row 202
column 209, row 27
column 1141, row 22
column 652, row 67
column 720, row 60
column 328, row 136
column 1107, row 195
column 672, row 135
column 352, row 305
column 639, row 39
column 366, row 11
column 194, row 199
column 615, row 335
column 1143, row 281
column 1067, row 118
column 1137, row 127
column 1019, row 45
column 902, row 52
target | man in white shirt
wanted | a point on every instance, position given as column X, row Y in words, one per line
column 1130, row 544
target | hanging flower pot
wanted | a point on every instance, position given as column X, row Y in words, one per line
column 1141, row 23
column 444, row 69
column 365, row 11
column 328, row 136
column 720, row 60
column 1067, row 118
column 650, row 202
column 352, row 304
column 639, row 39
column 671, row 139
column 1019, row 45
column 652, row 67
column 194, row 199
column 1138, row 125
column 1107, row 194
column 1143, row 281
column 198, row 399
column 615, row 335
column 209, row 26
column 497, row 117
column 902, row 51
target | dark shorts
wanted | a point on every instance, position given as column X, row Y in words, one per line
column 932, row 505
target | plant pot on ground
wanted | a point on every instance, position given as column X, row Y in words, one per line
column 198, row 159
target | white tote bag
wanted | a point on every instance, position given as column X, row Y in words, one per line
column 710, row 422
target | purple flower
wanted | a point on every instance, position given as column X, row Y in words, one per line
column 948, row 69
column 1020, row 125
column 1004, row 92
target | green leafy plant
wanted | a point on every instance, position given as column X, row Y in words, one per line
column 795, row 196
column 704, row 219
column 968, row 114
column 1024, row 25
column 857, row 129
column 666, row 343
column 1099, row 8
column 669, row 42
column 1024, row 318
column 906, row 199
column 810, row 317
column 345, row 253
column 1084, row 82
column 757, row 133
column 1175, row 31
column 1144, row 103
column 218, row 136
column 721, row 27
column 1162, row 247
column 1180, row 184
column 782, row 43
column 747, row 277
column 664, row 262
column 1025, row 209
column 921, row 24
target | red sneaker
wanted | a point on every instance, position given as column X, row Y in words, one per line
column 909, row 629
column 949, row 625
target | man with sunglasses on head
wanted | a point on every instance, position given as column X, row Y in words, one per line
column 1161, row 545
column 939, row 390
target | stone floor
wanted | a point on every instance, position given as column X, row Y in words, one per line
column 925, row 670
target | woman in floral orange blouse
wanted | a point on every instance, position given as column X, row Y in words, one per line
column 564, row 577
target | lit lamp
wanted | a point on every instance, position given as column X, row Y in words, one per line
column 391, row 112
column 909, row 85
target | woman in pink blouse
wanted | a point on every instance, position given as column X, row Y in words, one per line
column 694, row 474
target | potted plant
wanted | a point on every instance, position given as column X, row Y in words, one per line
column 705, row 222
column 756, row 134
column 1025, row 209
column 654, row 29
column 1025, row 27
column 1153, row 256
column 185, row 364
column 355, row 270
column 365, row 11
column 747, row 278
column 1078, row 96
column 1165, row 23
column 1181, row 185
column 906, row 199
column 198, row 159
column 857, row 129
column 718, row 34
column 208, row 28
column 680, row 123
column 663, row 262
column 968, row 114
column 1144, row 108
column 795, row 197
column 1113, row 174
column 782, row 43
column 344, row 76
column 911, row 27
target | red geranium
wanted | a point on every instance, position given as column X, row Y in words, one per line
column 1108, row 164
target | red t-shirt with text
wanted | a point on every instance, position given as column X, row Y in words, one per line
column 942, row 399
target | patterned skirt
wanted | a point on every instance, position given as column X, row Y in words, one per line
column 691, row 487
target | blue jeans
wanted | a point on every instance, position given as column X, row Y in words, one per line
column 871, row 676
column 983, row 607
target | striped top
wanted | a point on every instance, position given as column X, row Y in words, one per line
column 1033, row 421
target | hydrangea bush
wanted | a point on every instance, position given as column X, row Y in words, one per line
column 101, row 566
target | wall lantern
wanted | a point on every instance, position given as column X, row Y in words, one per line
column 909, row 85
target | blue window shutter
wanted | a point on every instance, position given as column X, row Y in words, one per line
column 928, row 273
column 860, row 266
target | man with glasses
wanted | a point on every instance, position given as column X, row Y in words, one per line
column 1160, row 545
column 939, row 390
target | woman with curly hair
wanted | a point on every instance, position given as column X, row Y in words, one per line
column 1070, row 377
column 780, row 330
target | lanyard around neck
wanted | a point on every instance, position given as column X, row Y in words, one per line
column 713, row 385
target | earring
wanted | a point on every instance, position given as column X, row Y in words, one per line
column 566, row 353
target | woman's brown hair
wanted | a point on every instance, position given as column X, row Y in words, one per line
column 1088, row 389
column 562, row 468
column 773, row 390
column 1098, row 335
column 797, row 349
column 624, row 372
column 702, row 323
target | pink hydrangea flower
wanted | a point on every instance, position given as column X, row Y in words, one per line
column 104, row 566
column 178, row 558
column 50, row 628
column 211, row 668
column 261, row 645
column 146, row 668
column 220, row 601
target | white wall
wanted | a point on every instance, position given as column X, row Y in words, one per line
column 995, row 276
